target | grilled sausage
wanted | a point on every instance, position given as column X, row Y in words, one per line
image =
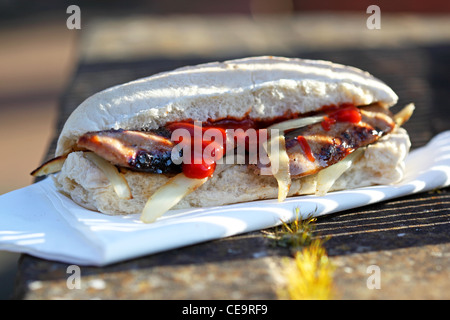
column 140, row 151
column 313, row 148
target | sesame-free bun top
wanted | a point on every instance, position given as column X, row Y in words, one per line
column 260, row 87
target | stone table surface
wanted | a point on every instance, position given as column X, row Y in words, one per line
column 406, row 238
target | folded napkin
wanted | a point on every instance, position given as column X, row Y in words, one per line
column 40, row 221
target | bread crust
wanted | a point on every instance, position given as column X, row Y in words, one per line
column 262, row 87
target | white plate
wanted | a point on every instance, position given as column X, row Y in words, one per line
column 40, row 221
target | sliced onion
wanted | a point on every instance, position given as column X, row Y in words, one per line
column 403, row 115
column 327, row 176
column 51, row 166
column 296, row 123
column 279, row 164
column 116, row 179
column 168, row 196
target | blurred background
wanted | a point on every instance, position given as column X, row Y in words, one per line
column 39, row 54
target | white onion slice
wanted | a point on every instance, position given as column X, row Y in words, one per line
column 403, row 115
column 279, row 163
column 327, row 176
column 116, row 179
column 51, row 166
column 168, row 196
column 296, row 123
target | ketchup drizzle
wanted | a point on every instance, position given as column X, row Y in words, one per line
column 200, row 168
column 201, row 165
column 306, row 148
column 346, row 113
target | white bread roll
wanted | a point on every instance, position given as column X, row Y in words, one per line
column 263, row 87
column 260, row 87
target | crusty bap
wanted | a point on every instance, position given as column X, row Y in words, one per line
column 258, row 87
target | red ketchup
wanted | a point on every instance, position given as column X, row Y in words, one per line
column 306, row 148
column 200, row 166
column 198, row 170
column 346, row 113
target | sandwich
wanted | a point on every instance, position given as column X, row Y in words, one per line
column 227, row 132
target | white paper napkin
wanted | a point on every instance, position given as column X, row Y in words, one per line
column 40, row 221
